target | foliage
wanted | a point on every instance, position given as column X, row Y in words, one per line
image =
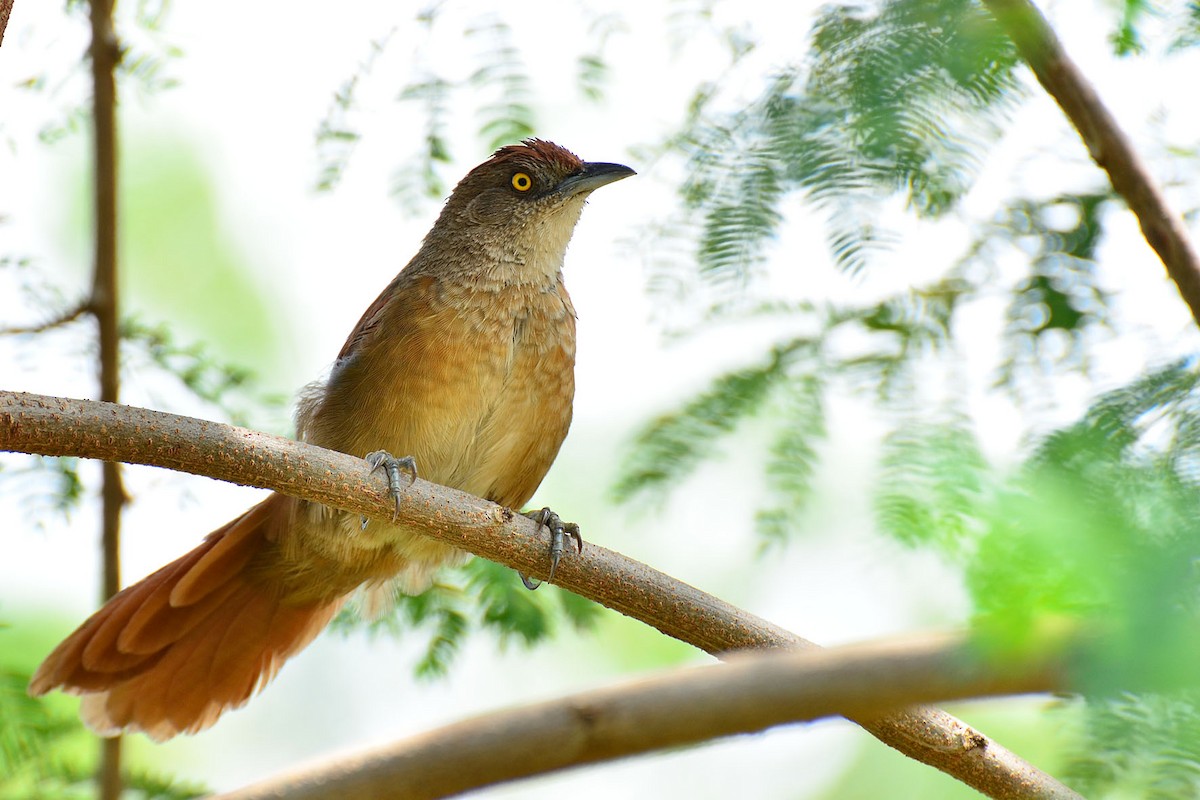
column 145, row 67
column 1096, row 524
column 498, row 89
column 336, row 136
column 1100, row 525
column 229, row 387
column 1187, row 31
column 904, row 98
column 420, row 178
column 899, row 98
column 1053, row 310
column 673, row 444
column 1051, row 318
column 932, row 480
column 506, row 115
column 46, row 485
column 40, row 755
column 792, row 460
column 1138, row 746
column 481, row 596
column 1127, row 39
column 1180, row 22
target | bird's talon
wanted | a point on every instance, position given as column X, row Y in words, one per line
column 571, row 529
column 392, row 467
column 559, row 531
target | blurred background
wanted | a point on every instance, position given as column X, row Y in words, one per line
column 794, row 366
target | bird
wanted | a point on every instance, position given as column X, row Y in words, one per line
column 464, row 364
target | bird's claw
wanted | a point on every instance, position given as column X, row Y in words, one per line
column 559, row 531
column 392, row 467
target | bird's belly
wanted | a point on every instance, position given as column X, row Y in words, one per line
column 480, row 408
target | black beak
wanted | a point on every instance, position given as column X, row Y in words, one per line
column 594, row 175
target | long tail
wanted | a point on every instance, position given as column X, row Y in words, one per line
column 171, row 653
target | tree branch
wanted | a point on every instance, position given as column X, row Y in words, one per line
column 680, row 707
column 1106, row 142
column 61, row 427
column 105, row 305
column 6, row 7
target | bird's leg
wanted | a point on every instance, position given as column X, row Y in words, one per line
column 392, row 467
column 559, row 530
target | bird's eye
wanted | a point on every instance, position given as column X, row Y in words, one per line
column 522, row 182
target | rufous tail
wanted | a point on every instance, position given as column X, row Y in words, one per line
column 171, row 653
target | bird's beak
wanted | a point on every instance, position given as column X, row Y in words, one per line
column 594, row 175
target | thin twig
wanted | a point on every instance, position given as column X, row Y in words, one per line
column 88, row 429
column 1106, row 142
column 63, row 318
column 679, row 707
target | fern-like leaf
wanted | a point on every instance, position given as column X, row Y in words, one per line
column 904, row 98
column 672, row 445
column 793, row 458
column 1137, row 746
column 931, row 485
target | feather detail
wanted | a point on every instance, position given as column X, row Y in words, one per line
column 171, row 653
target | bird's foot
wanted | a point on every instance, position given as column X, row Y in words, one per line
column 392, row 467
column 559, row 531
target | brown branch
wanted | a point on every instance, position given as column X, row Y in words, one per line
column 1106, row 142
column 6, row 7
column 105, row 52
column 105, row 293
column 61, row 427
column 679, row 707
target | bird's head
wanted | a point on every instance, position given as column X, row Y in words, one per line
column 521, row 205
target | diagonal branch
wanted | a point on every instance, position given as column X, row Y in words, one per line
column 674, row 708
column 6, row 7
column 59, row 427
column 1106, row 142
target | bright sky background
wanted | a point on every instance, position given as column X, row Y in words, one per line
column 256, row 79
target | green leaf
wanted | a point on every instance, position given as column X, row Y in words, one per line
column 506, row 606
column 1127, row 39
column 442, row 611
column 1187, row 32
column 672, row 445
column 931, row 484
column 792, row 462
column 509, row 116
column 1101, row 526
column 337, row 138
column 1145, row 746
column 904, row 98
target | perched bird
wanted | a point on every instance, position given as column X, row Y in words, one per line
column 463, row 365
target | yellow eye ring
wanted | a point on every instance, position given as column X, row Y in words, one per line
column 522, row 182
